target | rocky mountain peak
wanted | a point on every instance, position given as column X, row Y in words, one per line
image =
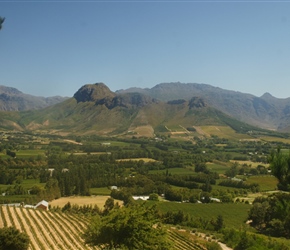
column 93, row 93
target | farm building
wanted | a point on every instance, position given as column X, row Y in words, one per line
column 42, row 205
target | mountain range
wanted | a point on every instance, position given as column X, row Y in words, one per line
column 266, row 111
column 95, row 109
column 11, row 99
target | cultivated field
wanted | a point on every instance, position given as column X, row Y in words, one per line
column 46, row 230
column 223, row 132
column 53, row 230
column 82, row 200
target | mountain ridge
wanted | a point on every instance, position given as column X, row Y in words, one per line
column 11, row 99
column 267, row 111
column 94, row 108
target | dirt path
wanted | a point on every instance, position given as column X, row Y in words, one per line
column 222, row 245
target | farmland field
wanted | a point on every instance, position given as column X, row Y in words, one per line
column 100, row 191
column 216, row 167
column 223, row 132
column 46, row 230
column 53, row 230
column 234, row 214
column 250, row 163
column 82, row 200
column 266, row 182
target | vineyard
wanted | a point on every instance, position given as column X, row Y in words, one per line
column 53, row 230
column 46, row 230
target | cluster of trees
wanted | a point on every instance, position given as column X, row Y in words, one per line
column 280, row 166
column 11, row 238
column 135, row 226
column 254, row 187
column 241, row 240
column 271, row 215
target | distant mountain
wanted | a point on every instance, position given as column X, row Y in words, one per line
column 266, row 111
column 95, row 109
column 12, row 99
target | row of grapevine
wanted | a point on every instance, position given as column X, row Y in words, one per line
column 46, row 230
column 183, row 243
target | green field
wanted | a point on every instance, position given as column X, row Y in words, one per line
column 266, row 182
column 234, row 214
column 25, row 153
column 178, row 171
column 219, row 168
column 100, row 191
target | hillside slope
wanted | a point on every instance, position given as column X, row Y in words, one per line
column 95, row 109
column 266, row 111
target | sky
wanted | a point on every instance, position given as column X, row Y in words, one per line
column 55, row 47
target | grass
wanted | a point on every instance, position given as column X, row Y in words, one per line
column 100, row 191
column 215, row 167
column 29, row 183
column 266, row 182
column 25, row 153
column 26, row 184
column 234, row 214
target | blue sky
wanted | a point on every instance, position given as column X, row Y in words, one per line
column 52, row 48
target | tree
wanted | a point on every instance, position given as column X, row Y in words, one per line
column 133, row 227
column 258, row 213
column 109, row 205
column 153, row 197
column 280, row 166
column 12, row 239
column 219, row 223
column 2, row 19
